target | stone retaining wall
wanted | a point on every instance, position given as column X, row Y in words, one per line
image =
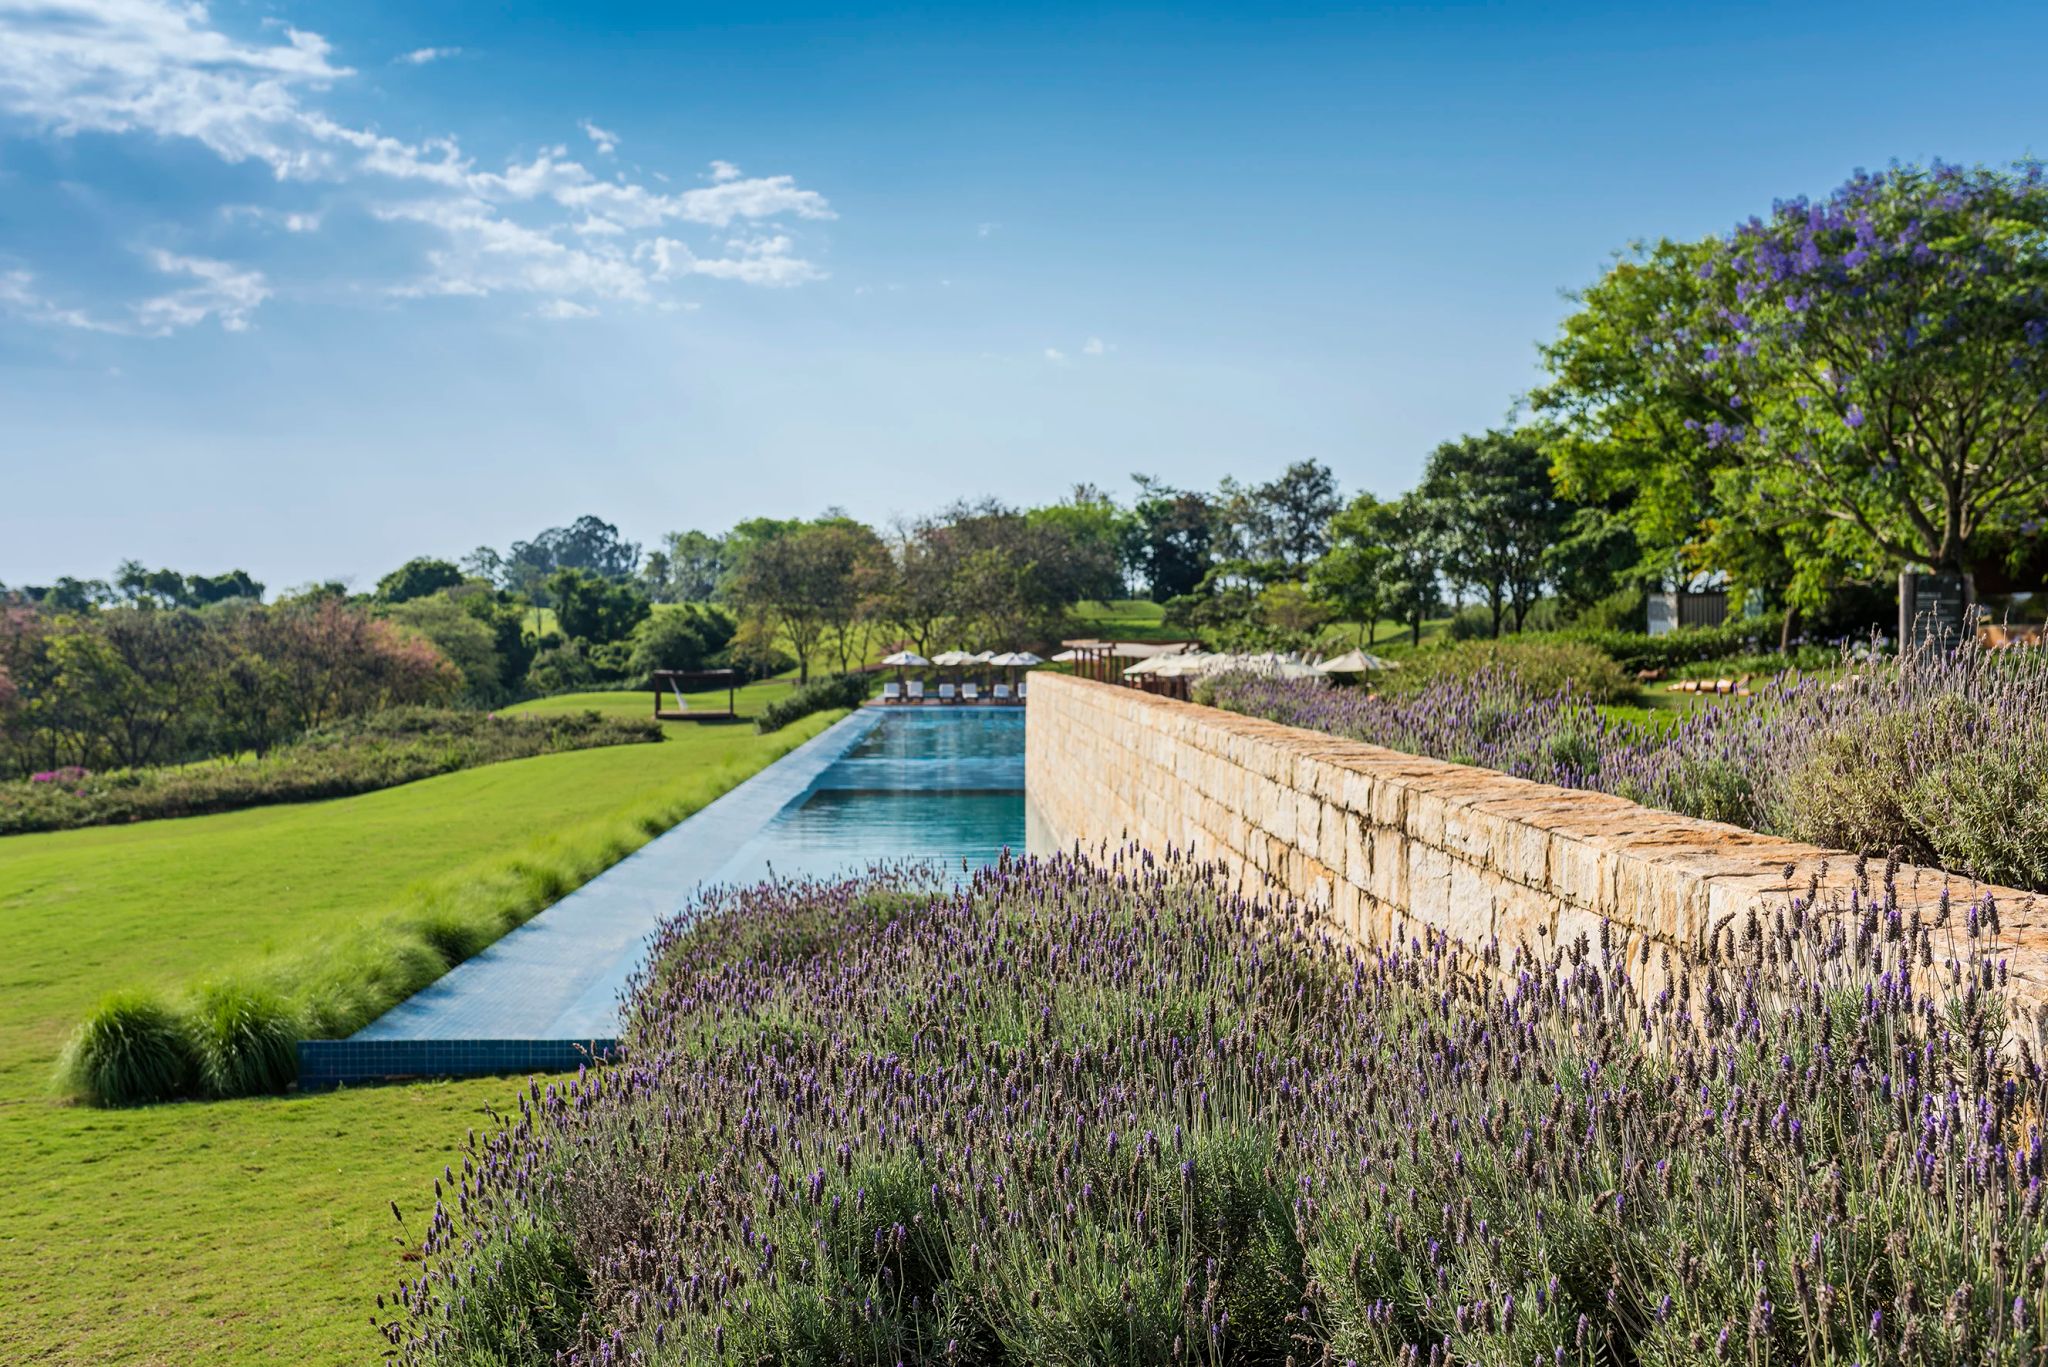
column 1384, row 843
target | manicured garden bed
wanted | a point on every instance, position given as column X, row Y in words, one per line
column 358, row 755
column 1939, row 760
column 1119, row 1113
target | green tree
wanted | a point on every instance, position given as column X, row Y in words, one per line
column 467, row 641
column 417, row 578
column 1169, row 539
column 1357, row 572
column 1496, row 514
column 592, row 608
column 1885, row 351
column 686, row 636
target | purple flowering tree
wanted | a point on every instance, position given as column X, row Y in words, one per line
column 1882, row 359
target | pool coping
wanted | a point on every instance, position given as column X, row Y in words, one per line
column 545, row 995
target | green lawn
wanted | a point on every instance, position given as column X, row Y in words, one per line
column 256, row 1231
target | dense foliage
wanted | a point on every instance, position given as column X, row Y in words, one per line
column 1541, row 664
column 359, row 755
column 1941, row 759
column 130, row 686
column 1079, row 1114
column 821, row 695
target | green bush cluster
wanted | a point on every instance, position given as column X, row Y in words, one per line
column 359, row 755
column 1636, row 650
column 820, row 695
column 1943, row 782
column 1546, row 665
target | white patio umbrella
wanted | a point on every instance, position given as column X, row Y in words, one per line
column 905, row 659
column 1355, row 662
column 953, row 659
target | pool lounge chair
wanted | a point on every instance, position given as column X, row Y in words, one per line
column 892, row 692
column 1021, row 686
column 914, row 690
column 947, row 693
column 970, row 693
column 1002, row 693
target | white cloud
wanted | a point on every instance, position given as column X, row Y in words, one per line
column 420, row 56
column 565, row 308
column 221, row 291
column 986, row 229
column 765, row 261
column 1095, row 346
column 160, row 69
column 1055, row 355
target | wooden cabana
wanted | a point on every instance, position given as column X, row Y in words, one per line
column 677, row 682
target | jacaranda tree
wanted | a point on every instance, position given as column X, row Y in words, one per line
column 1882, row 355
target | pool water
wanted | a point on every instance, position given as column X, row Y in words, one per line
column 943, row 786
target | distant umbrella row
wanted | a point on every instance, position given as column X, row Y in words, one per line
column 1192, row 664
column 912, row 690
column 957, row 659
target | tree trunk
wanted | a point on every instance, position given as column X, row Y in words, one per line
column 1785, row 626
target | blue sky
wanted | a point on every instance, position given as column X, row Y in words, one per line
column 312, row 288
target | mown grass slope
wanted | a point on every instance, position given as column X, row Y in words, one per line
column 252, row 1231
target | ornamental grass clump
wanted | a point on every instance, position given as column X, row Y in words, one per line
column 1119, row 1112
column 1939, row 757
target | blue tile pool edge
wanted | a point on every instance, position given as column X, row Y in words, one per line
column 325, row 1064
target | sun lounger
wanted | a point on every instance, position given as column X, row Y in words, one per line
column 892, row 692
column 1020, row 691
column 916, row 690
column 947, row 693
column 1002, row 693
column 970, row 693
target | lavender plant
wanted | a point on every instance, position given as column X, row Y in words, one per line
column 1941, row 757
column 1117, row 1112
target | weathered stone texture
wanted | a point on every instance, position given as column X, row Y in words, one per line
column 1385, row 844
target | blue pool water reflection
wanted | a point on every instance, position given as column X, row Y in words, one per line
column 942, row 785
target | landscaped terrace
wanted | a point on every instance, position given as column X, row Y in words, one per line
column 1116, row 1112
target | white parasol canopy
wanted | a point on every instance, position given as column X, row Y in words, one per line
column 1015, row 659
column 1355, row 662
column 906, row 659
column 953, row 658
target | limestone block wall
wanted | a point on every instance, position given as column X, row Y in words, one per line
column 1384, row 843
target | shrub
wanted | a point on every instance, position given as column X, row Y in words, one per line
column 1940, row 759
column 1638, row 650
column 358, row 755
column 1123, row 1113
column 133, row 1049
column 820, row 695
column 247, row 1040
column 1542, row 665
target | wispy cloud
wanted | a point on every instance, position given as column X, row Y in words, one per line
column 219, row 291
column 546, row 226
column 1095, row 346
column 986, row 229
column 420, row 56
column 1055, row 355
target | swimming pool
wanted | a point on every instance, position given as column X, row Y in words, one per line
column 945, row 785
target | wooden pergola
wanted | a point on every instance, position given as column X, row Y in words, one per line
column 679, row 681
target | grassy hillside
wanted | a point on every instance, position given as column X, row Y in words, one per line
column 257, row 1230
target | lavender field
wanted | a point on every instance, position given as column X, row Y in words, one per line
column 1941, row 759
column 1112, row 1112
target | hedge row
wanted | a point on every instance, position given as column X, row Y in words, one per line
column 361, row 755
column 822, row 695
